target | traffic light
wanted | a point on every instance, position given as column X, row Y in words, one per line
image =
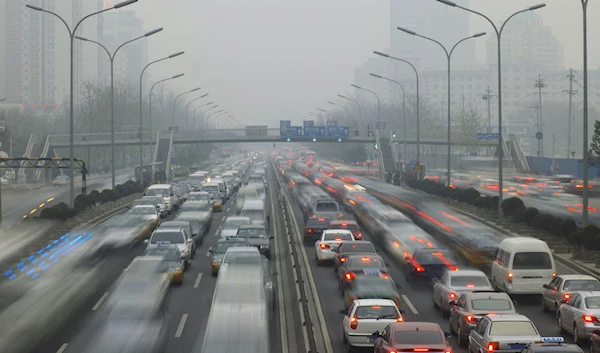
column 393, row 134
column 376, row 146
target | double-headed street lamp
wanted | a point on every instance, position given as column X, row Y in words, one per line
column 188, row 106
column 417, row 102
column 150, row 102
column 449, row 58
column 175, row 104
column 203, row 121
column 586, row 161
column 403, row 106
column 376, row 96
column 112, row 56
column 500, row 140
column 355, row 102
column 141, row 176
column 72, row 84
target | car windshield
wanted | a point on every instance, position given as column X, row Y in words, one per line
column 210, row 188
column 469, row 281
column 582, row 285
column 198, row 197
column 435, row 258
column 158, row 192
column 235, row 223
column 254, row 215
column 338, row 237
column 351, row 227
column 145, row 267
column 414, row 337
column 158, row 199
column 221, row 248
column 357, row 248
column 372, row 284
column 143, row 203
column 513, row 328
column 196, row 206
column 317, row 222
column 592, row 302
column 242, row 257
column 252, row 233
column 326, row 207
column 171, row 237
column 491, row 304
column 376, row 312
column 168, row 254
column 255, row 181
column 532, row 261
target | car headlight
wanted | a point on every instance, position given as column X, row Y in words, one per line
column 217, row 261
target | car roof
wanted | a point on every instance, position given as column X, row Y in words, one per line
column 370, row 302
column 572, row 277
column 144, row 206
column 485, row 294
column 175, row 223
column 253, row 226
column 337, row 231
column 589, row 293
column 199, row 192
column 415, row 325
column 336, row 222
column 237, row 218
column 232, row 240
column 461, row 273
column 167, row 229
column 356, row 242
column 508, row 317
column 162, row 246
column 243, row 249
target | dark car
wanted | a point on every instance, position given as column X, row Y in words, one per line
column 314, row 228
column 429, row 263
column 348, row 248
column 371, row 283
column 355, row 265
column 412, row 337
column 558, row 345
column 257, row 236
column 349, row 225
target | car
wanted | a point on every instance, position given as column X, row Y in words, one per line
column 232, row 224
column 241, row 255
column 453, row 283
column 163, row 208
column 371, row 283
column 218, row 252
column 560, row 288
column 326, row 246
column 256, row 235
column 147, row 202
column 61, row 180
column 356, row 264
column 187, row 227
column 173, row 236
column 172, row 260
column 412, row 337
column 145, row 213
column 366, row 316
column 579, row 315
column 470, row 307
column 352, row 247
column 553, row 345
column 503, row 332
column 199, row 230
column 314, row 228
column 429, row 263
column 345, row 224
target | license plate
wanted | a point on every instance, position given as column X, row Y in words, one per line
column 371, row 339
column 516, row 346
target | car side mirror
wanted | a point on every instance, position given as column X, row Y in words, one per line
column 375, row 335
column 545, row 286
column 452, row 302
column 146, row 241
column 448, row 335
column 211, row 250
column 157, row 207
column 376, row 250
column 402, row 311
column 344, row 311
column 189, row 241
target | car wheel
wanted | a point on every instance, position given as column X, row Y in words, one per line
column 575, row 334
column 443, row 311
column 560, row 324
column 462, row 342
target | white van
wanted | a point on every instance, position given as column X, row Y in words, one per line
column 255, row 210
column 523, row 265
column 245, row 194
column 223, row 185
column 164, row 190
column 214, row 189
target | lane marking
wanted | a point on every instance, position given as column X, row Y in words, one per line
column 410, row 304
column 223, row 218
column 181, row 325
column 62, row 348
column 208, row 253
column 228, row 208
column 217, row 232
column 100, row 301
column 198, row 279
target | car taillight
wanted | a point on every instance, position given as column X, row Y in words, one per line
column 309, row 231
column 421, row 350
column 343, row 259
column 359, row 235
column 566, row 296
column 324, row 246
column 493, row 346
column 400, row 319
column 339, row 216
column 510, row 277
column 353, row 323
column 420, row 269
column 350, row 276
column 448, row 352
column 451, row 295
column 589, row 318
column 471, row 319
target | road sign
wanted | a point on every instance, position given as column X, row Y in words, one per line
column 308, row 123
column 338, row 131
column 291, row 131
column 288, row 139
column 539, row 136
column 412, row 164
column 283, row 125
column 256, row 130
column 332, row 123
column 315, row 131
column 418, row 166
column 487, row 136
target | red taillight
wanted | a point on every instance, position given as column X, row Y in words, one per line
column 309, row 231
column 452, row 295
column 566, row 296
column 359, row 235
column 400, row 319
column 420, row 269
column 353, row 323
column 392, row 352
column 350, row 276
column 343, row 259
column 471, row 319
column 589, row 318
column 324, row 246
column 510, row 277
column 421, row 349
column 493, row 346
column 448, row 352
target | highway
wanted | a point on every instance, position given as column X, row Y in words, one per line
column 188, row 305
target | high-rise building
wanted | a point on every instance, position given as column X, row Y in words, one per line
column 528, row 41
column 432, row 19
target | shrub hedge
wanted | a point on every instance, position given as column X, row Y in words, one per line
column 514, row 207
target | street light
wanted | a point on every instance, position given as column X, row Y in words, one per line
column 586, row 157
column 449, row 58
column 112, row 94
column 217, row 117
column 376, row 96
column 141, row 179
column 341, row 106
column 418, row 98
column 202, row 118
column 150, row 99
column 175, row 104
column 198, row 107
column 72, row 84
column 403, row 106
column 207, row 119
column 500, row 140
column 357, row 104
column 188, row 105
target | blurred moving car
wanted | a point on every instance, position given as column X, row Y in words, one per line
column 61, row 180
column 412, row 337
column 173, row 236
column 232, row 224
column 366, row 316
column 172, row 260
column 218, row 252
column 257, row 236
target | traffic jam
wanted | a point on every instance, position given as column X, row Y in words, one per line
column 413, row 276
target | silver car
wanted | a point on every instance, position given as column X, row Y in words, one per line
column 505, row 333
column 579, row 315
column 232, row 224
column 560, row 288
column 453, row 283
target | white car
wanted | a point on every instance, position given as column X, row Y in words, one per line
column 173, row 236
column 232, row 224
column 453, row 283
column 366, row 316
column 560, row 288
column 579, row 315
column 326, row 246
column 504, row 332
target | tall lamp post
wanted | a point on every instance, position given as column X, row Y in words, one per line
column 449, row 58
column 586, row 157
column 112, row 94
column 203, row 118
column 417, row 102
column 341, row 106
column 376, row 96
column 72, row 84
column 188, row 106
column 150, row 101
column 217, row 116
column 141, row 176
column 403, row 107
column 500, row 138
column 207, row 119
column 175, row 104
column 198, row 107
column 355, row 102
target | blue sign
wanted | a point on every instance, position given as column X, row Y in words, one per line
column 332, row 123
column 539, row 136
column 291, row 131
column 338, row 131
column 284, row 124
column 173, row 160
column 487, row 136
column 412, row 164
column 314, row 131
column 473, row 153
column 308, row 123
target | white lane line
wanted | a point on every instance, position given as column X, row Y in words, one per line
column 62, row 348
column 410, row 304
column 228, row 208
column 181, row 325
column 218, row 232
column 198, row 279
column 223, row 218
column 208, row 253
column 100, row 301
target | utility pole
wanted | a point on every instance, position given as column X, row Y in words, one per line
column 488, row 97
column 571, row 93
column 443, row 105
column 539, row 84
column 463, row 105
